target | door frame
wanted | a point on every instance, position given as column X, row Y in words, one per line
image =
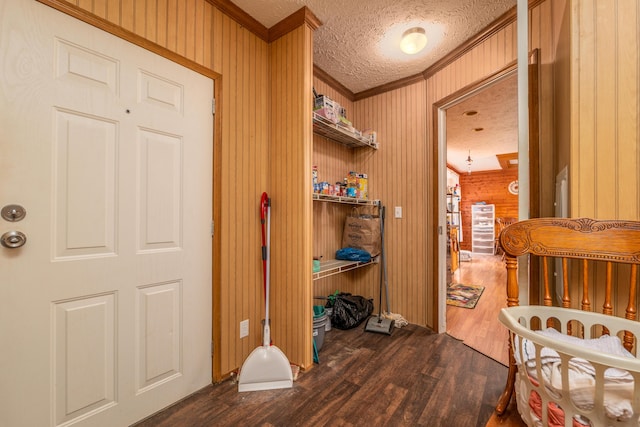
column 216, row 213
column 531, row 183
column 439, row 112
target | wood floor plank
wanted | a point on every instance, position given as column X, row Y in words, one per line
column 413, row 377
column 479, row 327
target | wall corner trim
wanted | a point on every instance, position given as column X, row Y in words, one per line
column 302, row 16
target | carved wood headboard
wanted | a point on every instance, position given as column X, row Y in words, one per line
column 599, row 261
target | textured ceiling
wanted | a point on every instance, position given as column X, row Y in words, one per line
column 358, row 45
column 497, row 107
column 358, row 42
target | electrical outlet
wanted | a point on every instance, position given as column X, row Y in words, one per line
column 398, row 212
column 244, row 328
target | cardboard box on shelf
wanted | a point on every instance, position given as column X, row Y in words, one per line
column 329, row 114
column 357, row 185
column 324, row 101
column 362, row 185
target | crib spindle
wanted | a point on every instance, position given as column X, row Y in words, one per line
column 631, row 311
column 547, row 301
column 586, row 303
column 513, row 294
column 607, row 308
column 566, row 298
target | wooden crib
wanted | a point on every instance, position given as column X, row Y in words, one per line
column 596, row 273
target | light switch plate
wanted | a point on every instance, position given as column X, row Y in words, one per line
column 244, row 328
column 398, row 212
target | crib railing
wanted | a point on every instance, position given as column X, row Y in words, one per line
column 599, row 262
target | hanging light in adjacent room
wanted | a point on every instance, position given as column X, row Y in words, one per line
column 413, row 40
column 469, row 161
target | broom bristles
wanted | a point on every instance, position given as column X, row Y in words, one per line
column 399, row 321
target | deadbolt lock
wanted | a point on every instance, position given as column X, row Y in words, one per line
column 13, row 213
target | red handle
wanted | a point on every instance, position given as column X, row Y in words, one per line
column 264, row 205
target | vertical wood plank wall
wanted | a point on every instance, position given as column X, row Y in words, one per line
column 242, row 59
column 290, row 157
column 604, row 111
column 605, row 105
column 398, row 176
column 200, row 32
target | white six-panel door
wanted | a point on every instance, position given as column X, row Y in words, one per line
column 105, row 312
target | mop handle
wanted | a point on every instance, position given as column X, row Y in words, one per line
column 384, row 258
column 264, row 200
column 267, row 328
column 381, row 208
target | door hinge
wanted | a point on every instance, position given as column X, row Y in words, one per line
column 439, row 229
column 213, row 106
column 211, row 348
column 212, row 228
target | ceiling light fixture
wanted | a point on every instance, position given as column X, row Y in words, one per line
column 413, row 40
column 469, row 161
column 470, row 113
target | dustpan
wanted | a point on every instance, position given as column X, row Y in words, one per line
column 267, row 367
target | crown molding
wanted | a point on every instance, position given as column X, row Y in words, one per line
column 242, row 18
column 288, row 24
column 339, row 87
column 501, row 22
column 389, row 86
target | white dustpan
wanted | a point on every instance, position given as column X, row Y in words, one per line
column 267, row 367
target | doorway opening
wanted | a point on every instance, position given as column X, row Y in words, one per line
column 478, row 170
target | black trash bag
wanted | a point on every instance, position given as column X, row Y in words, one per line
column 350, row 310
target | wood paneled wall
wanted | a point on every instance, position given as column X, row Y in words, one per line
column 492, row 188
column 242, row 59
column 183, row 27
column 289, row 161
column 598, row 118
column 605, row 109
column 399, row 176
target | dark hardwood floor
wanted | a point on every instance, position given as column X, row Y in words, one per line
column 414, row 377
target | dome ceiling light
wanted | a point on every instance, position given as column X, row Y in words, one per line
column 413, row 40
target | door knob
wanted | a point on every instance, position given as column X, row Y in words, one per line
column 13, row 239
